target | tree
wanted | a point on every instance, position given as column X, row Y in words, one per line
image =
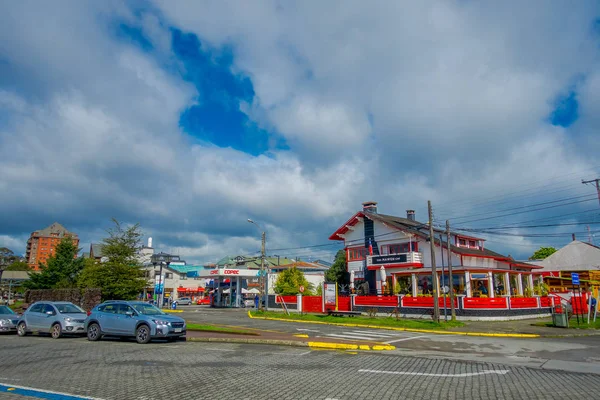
column 289, row 281
column 121, row 275
column 337, row 272
column 7, row 257
column 18, row 265
column 60, row 271
column 542, row 253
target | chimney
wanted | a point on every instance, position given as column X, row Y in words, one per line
column 573, row 236
column 150, row 242
column 370, row 206
column 410, row 214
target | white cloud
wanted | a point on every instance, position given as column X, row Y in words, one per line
column 401, row 102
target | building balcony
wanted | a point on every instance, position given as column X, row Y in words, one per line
column 411, row 258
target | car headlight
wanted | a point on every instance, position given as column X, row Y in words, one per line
column 68, row 319
column 4, row 321
column 160, row 322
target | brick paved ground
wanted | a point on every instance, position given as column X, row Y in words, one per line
column 125, row 370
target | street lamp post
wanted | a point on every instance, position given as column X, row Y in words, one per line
column 263, row 280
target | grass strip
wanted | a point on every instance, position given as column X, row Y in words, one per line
column 376, row 321
column 219, row 329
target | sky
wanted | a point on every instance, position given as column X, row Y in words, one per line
column 190, row 117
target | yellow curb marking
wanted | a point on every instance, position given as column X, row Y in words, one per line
column 302, row 335
column 511, row 335
column 11, row 389
column 173, row 311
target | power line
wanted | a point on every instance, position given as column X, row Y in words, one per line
column 521, row 207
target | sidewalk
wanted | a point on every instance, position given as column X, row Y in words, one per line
column 522, row 326
column 281, row 338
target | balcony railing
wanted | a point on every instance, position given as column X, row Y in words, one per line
column 412, row 257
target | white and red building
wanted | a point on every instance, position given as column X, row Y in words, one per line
column 392, row 254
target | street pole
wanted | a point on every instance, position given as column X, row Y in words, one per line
column 443, row 281
column 452, row 310
column 436, row 306
column 597, row 181
column 262, row 270
column 161, row 286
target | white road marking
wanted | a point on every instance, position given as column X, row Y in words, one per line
column 463, row 375
column 302, row 354
column 351, row 337
column 215, row 349
column 306, row 330
column 408, row 338
column 373, row 333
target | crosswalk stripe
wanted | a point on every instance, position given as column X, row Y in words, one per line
column 351, row 337
column 374, row 334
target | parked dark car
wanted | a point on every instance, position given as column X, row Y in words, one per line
column 54, row 317
column 136, row 319
column 8, row 320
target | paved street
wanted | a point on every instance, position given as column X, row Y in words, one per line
column 126, row 370
column 579, row 354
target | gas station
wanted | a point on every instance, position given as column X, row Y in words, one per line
column 235, row 276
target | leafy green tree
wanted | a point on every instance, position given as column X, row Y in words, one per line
column 60, row 271
column 121, row 275
column 7, row 257
column 542, row 253
column 289, row 281
column 337, row 272
column 18, row 265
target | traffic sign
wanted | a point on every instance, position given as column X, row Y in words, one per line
column 301, row 289
column 575, row 278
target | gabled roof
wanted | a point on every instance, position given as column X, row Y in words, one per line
column 576, row 256
column 96, row 250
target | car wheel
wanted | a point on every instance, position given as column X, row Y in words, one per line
column 21, row 329
column 56, row 331
column 142, row 334
column 93, row 332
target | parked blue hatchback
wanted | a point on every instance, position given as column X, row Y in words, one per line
column 133, row 319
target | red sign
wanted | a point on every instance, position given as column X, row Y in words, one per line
column 551, row 274
column 301, row 289
column 231, row 272
column 214, row 272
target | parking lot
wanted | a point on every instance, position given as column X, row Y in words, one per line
column 115, row 369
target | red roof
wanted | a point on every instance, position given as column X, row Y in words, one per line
column 344, row 228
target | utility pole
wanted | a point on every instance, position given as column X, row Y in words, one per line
column 451, row 285
column 597, row 181
column 434, row 283
column 262, row 270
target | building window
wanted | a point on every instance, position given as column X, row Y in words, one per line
column 357, row 254
column 473, row 243
column 169, row 275
column 402, row 248
column 182, row 276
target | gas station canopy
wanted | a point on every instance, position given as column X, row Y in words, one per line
column 229, row 273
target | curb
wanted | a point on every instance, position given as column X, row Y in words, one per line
column 293, row 343
column 172, row 311
column 482, row 334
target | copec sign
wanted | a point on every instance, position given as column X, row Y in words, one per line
column 229, row 272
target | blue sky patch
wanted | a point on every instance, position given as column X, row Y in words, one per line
column 135, row 35
column 566, row 110
column 217, row 117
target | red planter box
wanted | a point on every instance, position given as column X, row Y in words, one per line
column 426, row 302
column 376, row 301
column 286, row 299
column 523, row 302
column 479, row 303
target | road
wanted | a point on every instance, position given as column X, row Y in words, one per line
column 114, row 369
column 576, row 354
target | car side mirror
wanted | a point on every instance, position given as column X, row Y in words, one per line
column 49, row 312
column 129, row 313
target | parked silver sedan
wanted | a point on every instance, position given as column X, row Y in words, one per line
column 8, row 319
column 54, row 317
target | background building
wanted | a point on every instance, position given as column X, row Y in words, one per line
column 41, row 244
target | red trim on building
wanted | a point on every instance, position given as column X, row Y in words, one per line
column 343, row 229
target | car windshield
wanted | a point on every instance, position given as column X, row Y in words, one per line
column 6, row 310
column 147, row 309
column 68, row 309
